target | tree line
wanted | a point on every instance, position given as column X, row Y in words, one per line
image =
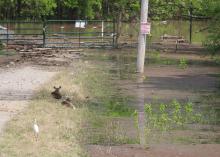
column 118, row 10
column 97, row 9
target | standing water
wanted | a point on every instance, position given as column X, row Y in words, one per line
column 173, row 102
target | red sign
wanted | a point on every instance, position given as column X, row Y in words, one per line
column 145, row 28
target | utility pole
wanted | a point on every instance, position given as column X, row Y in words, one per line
column 142, row 37
column 140, row 69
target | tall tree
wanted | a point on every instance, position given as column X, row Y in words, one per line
column 212, row 9
column 119, row 10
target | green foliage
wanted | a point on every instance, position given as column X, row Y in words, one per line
column 129, row 9
column 26, row 8
column 183, row 63
column 164, row 120
column 212, row 9
column 108, row 9
column 37, row 9
column 160, row 9
column 84, row 9
column 171, row 116
column 118, row 109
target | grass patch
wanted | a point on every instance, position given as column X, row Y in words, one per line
column 155, row 58
column 106, row 108
column 103, row 93
column 185, row 140
column 5, row 52
column 163, row 120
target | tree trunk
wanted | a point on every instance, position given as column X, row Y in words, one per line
column 18, row 9
column 118, row 28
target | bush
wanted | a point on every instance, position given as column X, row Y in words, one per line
column 213, row 40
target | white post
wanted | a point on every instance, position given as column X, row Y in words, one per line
column 102, row 30
column 142, row 37
column 140, row 69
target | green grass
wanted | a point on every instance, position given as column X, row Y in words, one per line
column 5, row 52
column 185, row 140
column 106, row 107
column 163, row 120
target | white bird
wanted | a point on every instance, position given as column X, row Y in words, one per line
column 36, row 129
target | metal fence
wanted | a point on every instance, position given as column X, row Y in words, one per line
column 59, row 33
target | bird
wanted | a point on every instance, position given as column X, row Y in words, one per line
column 36, row 129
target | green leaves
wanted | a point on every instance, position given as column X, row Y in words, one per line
column 164, row 117
column 213, row 41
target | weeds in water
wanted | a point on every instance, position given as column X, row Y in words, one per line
column 156, row 56
column 183, row 63
column 164, row 118
column 171, row 116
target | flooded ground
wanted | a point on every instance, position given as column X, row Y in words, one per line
column 171, row 110
column 186, row 85
column 59, row 29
